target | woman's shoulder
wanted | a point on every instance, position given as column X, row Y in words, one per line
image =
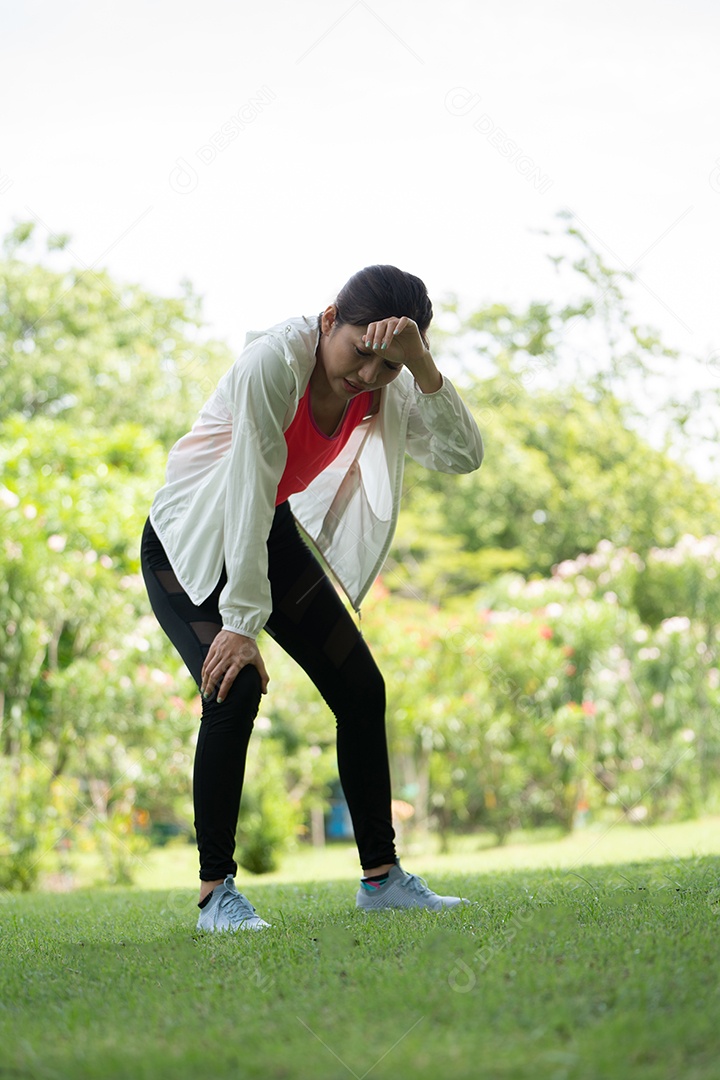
column 284, row 352
column 297, row 336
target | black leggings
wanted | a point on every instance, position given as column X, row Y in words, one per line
column 311, row 624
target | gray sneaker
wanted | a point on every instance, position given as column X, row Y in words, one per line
column 227, row 909
column 402, row 890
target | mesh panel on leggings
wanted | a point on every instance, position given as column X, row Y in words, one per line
column 206, row 632
column 340, row 642
column 302, row 593
column 169, row 582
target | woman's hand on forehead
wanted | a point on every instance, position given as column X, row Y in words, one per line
column 398, row 340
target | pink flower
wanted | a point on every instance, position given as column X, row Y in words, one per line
column 381, row 590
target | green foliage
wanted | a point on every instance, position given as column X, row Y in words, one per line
column 682, row 581
column 534, row 699
column 573, row 666
column 564, row 396
column 76, row 686
column 33, row 810
column 268, row 822
column 561, row 474
column 98, row 352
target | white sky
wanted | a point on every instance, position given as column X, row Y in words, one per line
column 362, row 153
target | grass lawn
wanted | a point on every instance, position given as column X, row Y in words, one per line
column 595, row 956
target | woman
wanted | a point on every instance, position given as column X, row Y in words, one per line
column 310, row 425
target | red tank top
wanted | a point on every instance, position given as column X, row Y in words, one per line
column 309, row 450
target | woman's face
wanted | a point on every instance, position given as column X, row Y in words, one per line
column 350, row 367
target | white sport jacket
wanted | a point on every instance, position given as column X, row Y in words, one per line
column 218, row 501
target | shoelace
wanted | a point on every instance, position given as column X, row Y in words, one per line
column 238, row 908
column 415, row 884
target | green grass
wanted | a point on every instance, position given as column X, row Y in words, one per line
column 569, row 967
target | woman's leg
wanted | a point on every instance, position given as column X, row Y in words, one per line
column 224, row 729
column 312, row 625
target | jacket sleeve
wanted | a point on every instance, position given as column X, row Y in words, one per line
column 258, row 390
column 441, row 433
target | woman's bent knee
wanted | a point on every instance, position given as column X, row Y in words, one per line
column 244, row 695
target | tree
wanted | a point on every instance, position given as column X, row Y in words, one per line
column 97, row 713
column 567, row 463
column 561, row 473
column 74, row 343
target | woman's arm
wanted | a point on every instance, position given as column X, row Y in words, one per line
column 259, row 389
column 442, row 433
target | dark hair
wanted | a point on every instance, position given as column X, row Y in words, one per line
column 378, row 292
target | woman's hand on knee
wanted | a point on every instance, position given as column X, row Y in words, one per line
column 228, row 655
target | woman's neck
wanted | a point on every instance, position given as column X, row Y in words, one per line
column 322, row 392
